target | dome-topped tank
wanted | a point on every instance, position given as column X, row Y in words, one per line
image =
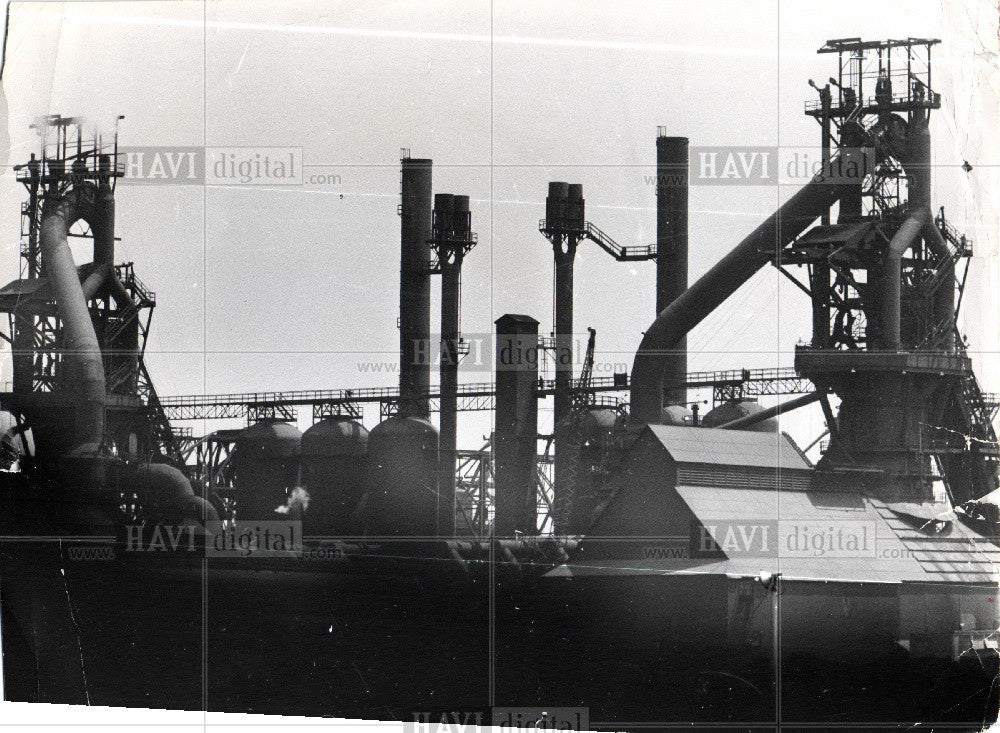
column 402, row 478
column 729, row 411
column 266, row 465
column 678, row 415
column 596, row 426
column 333, row 473
column 167, row 497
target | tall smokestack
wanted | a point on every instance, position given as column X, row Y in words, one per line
column 564, row 226
column 672, row 248
column 451, row 238
column 414, row 287
column 515, row 436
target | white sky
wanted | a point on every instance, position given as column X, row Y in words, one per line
column 268, row 289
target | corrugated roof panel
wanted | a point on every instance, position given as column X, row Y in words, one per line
column 729, row 447
column 957, row 554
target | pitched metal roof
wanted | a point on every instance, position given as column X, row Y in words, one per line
column 729, row 447
column 900, row 547
column 799, row 518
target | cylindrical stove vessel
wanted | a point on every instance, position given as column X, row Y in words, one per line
column 415, row 287
column 515, row 435
column 265, row 466
column 333, row 473
column 402, row 478
column 672, row 249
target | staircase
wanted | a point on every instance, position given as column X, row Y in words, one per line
column 962, row 245
column 121, row 374
column 945, row 267
column 982, row 434
column 620, row 253
column 125, row 317
column 973, row 473
column 163, row 434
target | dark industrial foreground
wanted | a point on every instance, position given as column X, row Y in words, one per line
column 643, row 565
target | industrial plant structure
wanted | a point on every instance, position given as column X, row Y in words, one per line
column 643, row 561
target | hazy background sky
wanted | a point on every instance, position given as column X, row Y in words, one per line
column 273, row 289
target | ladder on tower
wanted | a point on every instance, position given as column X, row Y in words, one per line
column 583, row 395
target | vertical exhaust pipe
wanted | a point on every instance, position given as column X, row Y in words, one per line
column 104, row 216
column 414, row 287
column 672, row 250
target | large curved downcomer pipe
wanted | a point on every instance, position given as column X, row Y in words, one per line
column 892, row 275
column 917, row 165
column 84, row 367
column 691, row 307
column 918, row 225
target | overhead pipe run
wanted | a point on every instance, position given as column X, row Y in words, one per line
column 748, row 420
column 661, row 339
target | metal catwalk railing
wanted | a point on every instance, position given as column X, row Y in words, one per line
column 473, row 396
